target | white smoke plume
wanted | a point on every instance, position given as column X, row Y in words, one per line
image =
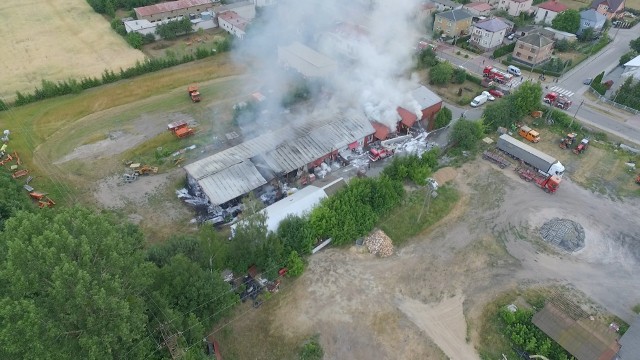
column 374, row 50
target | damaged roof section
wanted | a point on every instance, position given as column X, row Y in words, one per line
column 240, row 169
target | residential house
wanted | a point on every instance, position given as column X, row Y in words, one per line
column 511, row 25
column 245, row 9
column 233, row 23
column 430, row 103
column 630, row 341
column 547, row 11
column 612, row 9
column 444, row 5
column 632, row 68
column 306, row 61
column 515, row 7
column 488, row 34
column 172, row 10
column 453, row 23
column 478, row 8
column 533, row 49
column 591, row 19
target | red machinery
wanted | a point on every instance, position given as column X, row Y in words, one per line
column 194, row 93
column 568, row 141
column 557, row 100
column 584, row 144
column 549, row 184
column 497, row 75
column 381, row 153
column 180, row 128
column 42, row 199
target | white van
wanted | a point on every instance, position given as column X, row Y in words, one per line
column 479, row 100
column 514, row 70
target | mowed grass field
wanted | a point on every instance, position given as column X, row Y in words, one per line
column 43, row 132
column 56, row 40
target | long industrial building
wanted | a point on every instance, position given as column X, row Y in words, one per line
column 241, row 169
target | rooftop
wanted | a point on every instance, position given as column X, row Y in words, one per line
column 425, row 97
column 612, row 4
column 305, row 60
column 407, row 117
column 169, row 7
column 479, row 6
column 633, row 62
column 234, row 19
column 570, row 327
column 492, row 25
column 536, row 40
column 235, row 171
column 553, row 5
column 449, row 3
column 381, row 131
column 455, row 15
column 592, row 15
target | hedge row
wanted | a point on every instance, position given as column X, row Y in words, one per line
column 504, row 50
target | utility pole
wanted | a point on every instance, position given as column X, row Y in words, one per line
column 576, row 114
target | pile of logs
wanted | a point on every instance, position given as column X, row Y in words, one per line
column 379, row 244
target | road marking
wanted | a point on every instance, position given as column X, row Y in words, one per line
column 562, row 91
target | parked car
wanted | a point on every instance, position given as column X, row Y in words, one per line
column 496, row 93
column 488, row 95
column 511, row 36
column 587, row 81
column 479, row 100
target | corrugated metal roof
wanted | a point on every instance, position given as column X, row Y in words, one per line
column 233, row 181
column 281, row 151
column 305, row 60
column 425, row 97
column 579, row 336
column 492, row 25
column 169, row 6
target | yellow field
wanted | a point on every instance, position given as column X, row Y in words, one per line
column 56, row 40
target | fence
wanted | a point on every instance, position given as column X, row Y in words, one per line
column 612, row 103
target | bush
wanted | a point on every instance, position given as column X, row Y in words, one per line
column 295, row 265
column 465, row 134
column 459, row 75
column 465, row 100
column 426, row 58
column 627, row 57
column 474, row 79
column 504, row 50
column 443, row 118
column 441, row 73
column 311, row 350
column 135, row 40
column 596, row 84
column 563, row 45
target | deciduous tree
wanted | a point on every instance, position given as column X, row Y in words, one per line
column 465, row 134
column 441, row 73
column 443, row 118
column 568, row 20
column 70, row 287
column 526, row 98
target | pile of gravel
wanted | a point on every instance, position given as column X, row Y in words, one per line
column 563, row 233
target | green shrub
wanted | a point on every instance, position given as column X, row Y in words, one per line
column 504, row 50
column 474, row 79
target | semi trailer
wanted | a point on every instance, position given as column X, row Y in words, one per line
column 540, row 161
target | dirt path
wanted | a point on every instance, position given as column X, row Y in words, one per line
column 402, row 305
column 443, row 322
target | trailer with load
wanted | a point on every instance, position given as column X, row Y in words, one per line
column 194, row 93
column 540, row 161
column 547, row 183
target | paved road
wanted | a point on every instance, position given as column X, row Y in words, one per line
column 592, row 113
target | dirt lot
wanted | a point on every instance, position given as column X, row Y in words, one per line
column 418, row 304
column 57, row 40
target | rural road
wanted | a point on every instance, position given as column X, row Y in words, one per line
column 593, row 114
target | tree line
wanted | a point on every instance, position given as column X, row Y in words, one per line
column 109, row 7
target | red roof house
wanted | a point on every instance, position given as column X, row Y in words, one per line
column 547, row 11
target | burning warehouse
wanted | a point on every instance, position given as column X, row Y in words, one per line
column 282, row 154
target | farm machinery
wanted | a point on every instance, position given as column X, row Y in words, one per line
column 43, row 200
column 566, row 142
column 549, row 184
column 180, row 129
column 194, row 93
column 584, row 144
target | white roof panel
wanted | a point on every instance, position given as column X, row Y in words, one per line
column 231, row 182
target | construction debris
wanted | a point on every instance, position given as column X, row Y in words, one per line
column 566, row 234
column 379, row 244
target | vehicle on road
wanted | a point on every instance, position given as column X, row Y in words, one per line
column 496, row 93
column 514, row 70
column 557, row 100
column 479, row 100
column 497, row 75
column 488, row 95
column 587, row 81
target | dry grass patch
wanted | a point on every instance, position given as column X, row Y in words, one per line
column 57, row 40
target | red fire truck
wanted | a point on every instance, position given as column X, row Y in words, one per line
column 497, row 75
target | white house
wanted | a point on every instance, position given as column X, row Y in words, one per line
column 489, row 33
column 547, row 11
column 515, row 7
column 591, row 19
column 233, row 23
column 143, row 27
